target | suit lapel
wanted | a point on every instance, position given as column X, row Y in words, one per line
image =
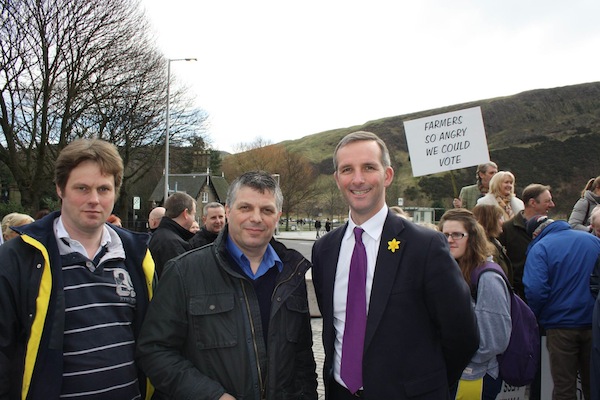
column 331, row 251
column 390, row 253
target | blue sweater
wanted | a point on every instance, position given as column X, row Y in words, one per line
column 557, row 275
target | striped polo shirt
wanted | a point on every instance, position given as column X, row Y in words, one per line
column 100, row 301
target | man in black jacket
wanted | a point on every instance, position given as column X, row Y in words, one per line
column 230, row 320
column 171, row 237
column 213, row 220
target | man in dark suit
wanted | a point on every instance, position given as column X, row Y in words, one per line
column 419, row 331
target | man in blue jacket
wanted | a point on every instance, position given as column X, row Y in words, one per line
column 557, row 273
column 74, row 290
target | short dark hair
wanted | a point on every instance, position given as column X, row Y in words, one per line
column 103, row 153
column 257, row 180
column 177, row 203
column 533, row 191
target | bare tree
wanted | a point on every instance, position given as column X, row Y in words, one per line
column 332, row 200
column 257, row 143
column 296, row 174
column 73, row 69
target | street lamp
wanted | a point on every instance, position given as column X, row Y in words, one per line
column 277, row 177
column 167, row 129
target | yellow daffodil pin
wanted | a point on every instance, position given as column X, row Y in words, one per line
column 393, row 245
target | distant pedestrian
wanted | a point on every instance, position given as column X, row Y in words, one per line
column 116, row 221
column 502, row 193
column 327, row 225
column 595, row 221
column 194, row 228
column 318, row 228
column 41, row 213
column 171, row 237
column 154, row 218
column 470, row 194
column 13, row 219
column 398, row 210
column 213, row 221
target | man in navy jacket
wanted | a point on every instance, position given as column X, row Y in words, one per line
column 74, row 290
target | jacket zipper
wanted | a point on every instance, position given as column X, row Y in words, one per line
column 289, row 278
column 253, row 330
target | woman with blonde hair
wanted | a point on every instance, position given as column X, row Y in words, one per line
column 502, row 193
column 13, row 219
column 470, row 249
column 590, row 198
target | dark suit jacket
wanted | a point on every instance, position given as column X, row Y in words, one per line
column 515, row 239
column 421, row 328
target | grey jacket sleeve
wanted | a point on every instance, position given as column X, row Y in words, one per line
column 494, row 323
column 576, row 220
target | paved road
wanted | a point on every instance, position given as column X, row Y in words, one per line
column 317, row 330
column 302, row 245
column 303, row 242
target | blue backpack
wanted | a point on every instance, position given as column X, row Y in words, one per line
column 519, row 362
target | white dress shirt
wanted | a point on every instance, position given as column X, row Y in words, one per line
column 371, row 238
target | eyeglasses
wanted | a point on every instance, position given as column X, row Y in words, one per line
column 455, row 235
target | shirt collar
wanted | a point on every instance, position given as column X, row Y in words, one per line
column 65, row 241
column 269, row 260
column 372, row 227
column 61, row 233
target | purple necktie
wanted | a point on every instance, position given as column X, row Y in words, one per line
column 356, row 317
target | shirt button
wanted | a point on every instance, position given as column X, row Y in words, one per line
column 211, row 307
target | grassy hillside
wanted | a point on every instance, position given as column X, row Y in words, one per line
column 548, row 136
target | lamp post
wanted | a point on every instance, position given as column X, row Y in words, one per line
column 167, row 123
column 277, row 177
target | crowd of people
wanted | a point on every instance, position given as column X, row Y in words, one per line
column 218, row 309
column 549, row 264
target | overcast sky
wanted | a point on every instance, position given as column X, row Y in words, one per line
column 283, row 70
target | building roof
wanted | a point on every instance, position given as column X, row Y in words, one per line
column 191, row 184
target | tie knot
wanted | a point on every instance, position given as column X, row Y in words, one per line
column 358, row 234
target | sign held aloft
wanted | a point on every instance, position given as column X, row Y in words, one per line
column 447, row 141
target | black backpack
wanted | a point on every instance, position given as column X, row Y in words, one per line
column 519, row 362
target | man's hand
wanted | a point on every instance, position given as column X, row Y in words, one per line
column 457, row 203
column 227, row 396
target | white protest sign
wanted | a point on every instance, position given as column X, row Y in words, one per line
column 447, row 141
